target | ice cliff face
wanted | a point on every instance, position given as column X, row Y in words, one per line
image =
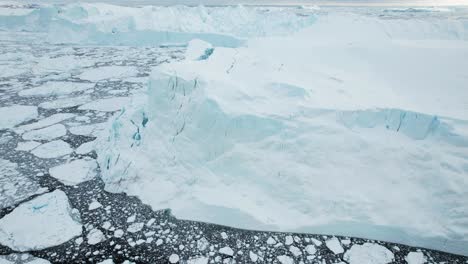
column 353, row 125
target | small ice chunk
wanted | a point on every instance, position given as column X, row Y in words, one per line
column 131, row 219
column 107, row 261
column 95, row 236
column 47, row 133
column 56, row 88
column 285, row 259
column 334, row 245
column 107, row 105
column 271, row 241
column 295, row 251
column 85, row 148
column 202, row 244
column 118, row 233
column 11, row 116
column 53, row 149
column 368, row 253
column 135, row 227
column 415, row 258
column 289, row 240
column 150, row 222
column 23, row 228
column 253, row 256
column 174, row 258
column 224, row 235
column 226, row 251
column 75, row 172
column 317, row 242
column 27, row 145
column 199, row 260
column 94, row 205
column 311, row 249
column 159, row 242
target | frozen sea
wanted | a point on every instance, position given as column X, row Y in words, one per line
column 294, row 120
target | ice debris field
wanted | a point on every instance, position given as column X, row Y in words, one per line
column 343, row 121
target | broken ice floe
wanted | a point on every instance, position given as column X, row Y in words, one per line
column 43, row 222
column 75, row 172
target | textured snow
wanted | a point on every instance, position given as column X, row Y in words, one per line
column 56, row 88
column 11, row 116
column 53, row 149
column 368, row 253
column 75, row 172
column 24, row 228
column 47, row 133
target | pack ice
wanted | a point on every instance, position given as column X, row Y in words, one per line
column 353, row 125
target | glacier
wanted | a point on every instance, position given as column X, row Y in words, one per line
column 354, row 125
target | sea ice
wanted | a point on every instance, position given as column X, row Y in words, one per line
column 85, row 148
column 106, row 105
column 52, row 149
column 334, row 245
column 11, row 116
column 66, row 102
column 415, row 258
column 16, row 258
column 368, row 253
column 95, row 236
column 45, row 122
column 23, row 228
column 14, row 186
column 108, row 72
column 56, row 88
column 88, row 130
column 75, row 172
column 27, row 145
column 47, row 133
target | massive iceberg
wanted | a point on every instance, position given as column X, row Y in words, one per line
column 343, row 121
column 353, row 125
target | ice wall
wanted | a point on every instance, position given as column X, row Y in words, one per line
column 338, row 128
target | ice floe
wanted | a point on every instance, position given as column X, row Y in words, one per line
column 47, row 121
column 56, row 88
column 52, row 149
column 368, row 253
column 66, row 102
column 106, row 105
column 108, row 72
column 75, row 172
column 14, row 186
column 47, row 133
column 43, row 222
column 11, row 116
column 27, row 145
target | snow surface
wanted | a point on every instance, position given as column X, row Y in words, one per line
column 75, row 172
column 11, row 116
column 353, row 124
column 24, row 228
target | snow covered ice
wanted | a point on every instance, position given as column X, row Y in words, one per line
column 346, row 121
column 24, row 228
column 353, row 125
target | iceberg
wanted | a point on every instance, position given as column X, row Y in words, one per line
column 353, row 125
